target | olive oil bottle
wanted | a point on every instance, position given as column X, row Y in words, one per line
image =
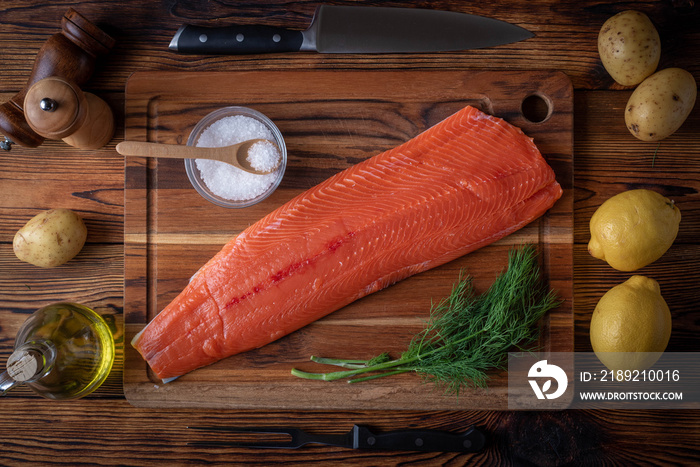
column 63, row 351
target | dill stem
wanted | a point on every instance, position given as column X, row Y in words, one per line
column 336, row 375
column 388, row 373
column 340, row 362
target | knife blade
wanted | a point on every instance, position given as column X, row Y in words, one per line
column 359, row 437
column 355, row 29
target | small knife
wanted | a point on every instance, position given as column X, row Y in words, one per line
column 355, row 29
column 359, row 437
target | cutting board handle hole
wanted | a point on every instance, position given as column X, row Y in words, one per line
column 536, row 108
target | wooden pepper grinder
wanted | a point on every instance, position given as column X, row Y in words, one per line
column 57, row 109
column 70, row 54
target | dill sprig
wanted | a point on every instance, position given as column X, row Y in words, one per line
column 466, row 334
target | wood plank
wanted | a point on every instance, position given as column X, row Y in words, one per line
column 330, row 121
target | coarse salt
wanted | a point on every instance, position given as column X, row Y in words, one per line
column 225, row 180
column 263, row 156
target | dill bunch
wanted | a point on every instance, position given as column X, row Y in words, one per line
column 467, row 334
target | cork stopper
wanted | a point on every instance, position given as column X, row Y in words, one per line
column 55, row 108
column 23, row 365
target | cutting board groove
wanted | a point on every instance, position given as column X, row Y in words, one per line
column 330, row 120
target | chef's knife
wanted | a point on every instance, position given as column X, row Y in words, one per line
column 359, row 437
column 355, row 29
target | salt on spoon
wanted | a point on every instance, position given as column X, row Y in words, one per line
column 257, row 156
column 263, row 156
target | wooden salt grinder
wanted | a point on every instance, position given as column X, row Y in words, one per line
column 56, row 108
column 70, row 54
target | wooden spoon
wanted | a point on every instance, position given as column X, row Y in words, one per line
column 236, row 154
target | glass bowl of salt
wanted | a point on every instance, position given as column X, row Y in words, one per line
column 226, row 185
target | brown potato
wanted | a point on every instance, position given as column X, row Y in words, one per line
column 629, row 47
column 50, row 238
column 660, row 105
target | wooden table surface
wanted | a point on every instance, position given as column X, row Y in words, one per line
column 105, row 429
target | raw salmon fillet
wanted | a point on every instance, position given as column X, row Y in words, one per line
column 462, row 184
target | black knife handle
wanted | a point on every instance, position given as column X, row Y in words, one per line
column 471, row 440
column 235, row 39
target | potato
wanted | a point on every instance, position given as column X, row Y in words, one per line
column 660, row 105
column 629, row 47
column 50, row 238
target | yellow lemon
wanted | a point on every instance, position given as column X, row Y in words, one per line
column 631, row 325
column 633, row 229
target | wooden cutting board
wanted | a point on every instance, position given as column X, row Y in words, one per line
column 330, row 120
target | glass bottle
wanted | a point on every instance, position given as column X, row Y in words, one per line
column 63, row 351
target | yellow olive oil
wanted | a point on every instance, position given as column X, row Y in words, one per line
column 63, row 351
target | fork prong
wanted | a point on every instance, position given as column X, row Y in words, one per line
column 233, row 444
column 291, row 443
column 246, row 429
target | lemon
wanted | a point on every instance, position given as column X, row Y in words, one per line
column 633, row 229
column 631, row 325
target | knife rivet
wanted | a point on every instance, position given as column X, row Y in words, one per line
column 240, row 37
column 371, row 440
column 276, row 38
column 419, row 441
column 203, row 38
column 467, row 444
